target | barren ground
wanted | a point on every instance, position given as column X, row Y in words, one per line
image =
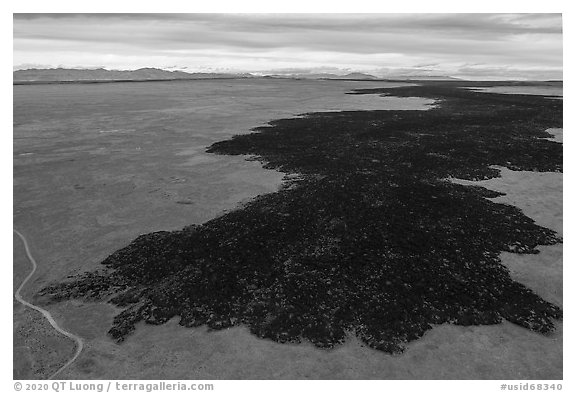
column 116, row 166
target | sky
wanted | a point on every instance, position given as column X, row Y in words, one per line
column 471, row 46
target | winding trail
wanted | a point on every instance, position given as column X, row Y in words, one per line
column 78, row 341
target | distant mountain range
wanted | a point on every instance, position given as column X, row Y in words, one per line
column 354, row 76
column 101, row 74
column 361, row 76
column 54, row 75
column 421, row 77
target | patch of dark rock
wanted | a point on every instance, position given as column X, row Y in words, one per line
column 368, row 239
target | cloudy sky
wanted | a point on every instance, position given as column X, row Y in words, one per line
column 476, row 46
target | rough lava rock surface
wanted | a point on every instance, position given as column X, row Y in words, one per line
column 369, row 238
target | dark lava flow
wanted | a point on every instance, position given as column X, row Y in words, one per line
column 370, row 239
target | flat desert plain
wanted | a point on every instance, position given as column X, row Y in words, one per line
column 97, row 165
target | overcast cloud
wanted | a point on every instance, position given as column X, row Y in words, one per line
column 479, row 46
